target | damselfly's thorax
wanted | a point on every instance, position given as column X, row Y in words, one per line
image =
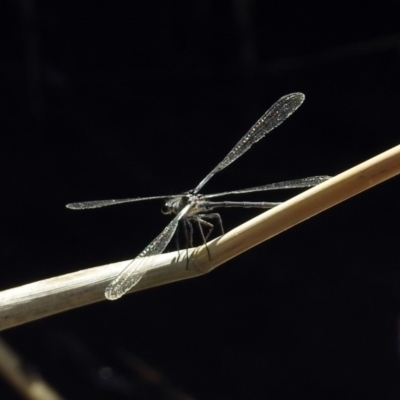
column 176, row 204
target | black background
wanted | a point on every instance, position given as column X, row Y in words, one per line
column 124, row 99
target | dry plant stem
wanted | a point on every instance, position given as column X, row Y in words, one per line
column 299, row 208
column 51, row 296
column 27, row 382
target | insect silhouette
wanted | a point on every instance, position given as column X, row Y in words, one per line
column 193, row 207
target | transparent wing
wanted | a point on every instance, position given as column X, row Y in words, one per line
column 84, row 205
column 134, row 272
column 279, row 111
column 293, row 184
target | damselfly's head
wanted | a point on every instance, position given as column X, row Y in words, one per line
column 175, row 204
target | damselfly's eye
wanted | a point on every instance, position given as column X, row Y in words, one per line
column 166, row 210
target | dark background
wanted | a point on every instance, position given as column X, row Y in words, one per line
column 124, row 99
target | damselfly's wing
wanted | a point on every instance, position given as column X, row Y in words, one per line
column 85, row 205
column 279, row 111
column 292, row 184
column 134, row 272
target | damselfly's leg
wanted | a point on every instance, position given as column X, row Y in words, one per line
column 213, row 216
column 177, row 234
column 177, row 238
column 188, row 232
column 210, row 226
